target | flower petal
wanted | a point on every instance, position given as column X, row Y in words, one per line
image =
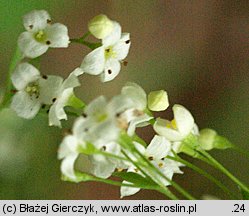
column 36, row 20
column 68, row 146
column 112, row 69
column 119, row 104
column 96, row 106
column 56, row 112
column 121, row 48
column 57, row 35
column 24, row 74
column 67, row 166
column 78, row 127
column 102, row 167
column 71, row 82
column 94, row 62
column 184, row 119
column 128, row 191
column 161, row 128
column 136, row 93
column 171, row 168
column 131, row 155
column 25, row 106
column 137, row 122
column 158, row 148
column 50, row 88
column 29, row 46
column 106, row 131
column 77, row 71
column 114, row 36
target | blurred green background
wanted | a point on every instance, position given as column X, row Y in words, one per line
column 196, row 50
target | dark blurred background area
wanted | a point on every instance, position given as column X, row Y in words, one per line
column 196, row 50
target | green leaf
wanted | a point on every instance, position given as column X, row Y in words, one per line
column 136, row 179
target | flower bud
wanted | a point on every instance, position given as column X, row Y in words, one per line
column 158, row 100
column 207, row 138
column 100, row 26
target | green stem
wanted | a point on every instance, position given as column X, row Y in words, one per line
column 86, row 43
column 220, row 167
column 7, row 93
column 205, row 174
column 85, row 35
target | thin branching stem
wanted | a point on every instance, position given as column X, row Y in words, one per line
column 205, row 174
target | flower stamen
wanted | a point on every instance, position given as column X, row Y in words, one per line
column 40, row 36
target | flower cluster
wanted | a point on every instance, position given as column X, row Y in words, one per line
column 35, row 90
column 104, row 122
column 104, row 132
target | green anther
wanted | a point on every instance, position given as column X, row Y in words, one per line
column 40, row 36
column 102, row 117
column 32, row 89
column 109, row 53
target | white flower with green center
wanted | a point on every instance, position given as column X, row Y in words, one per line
column 177, row 129
column 155, row 152
column 134, row 116
column 105, row 60
column 26, row 102
column 34, row 90
column 41, row 34
column 101, row 119
column 100, row 128
column 69, row 150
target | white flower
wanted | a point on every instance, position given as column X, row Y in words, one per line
column 86, row 131
column 105, row 60
column 62, row 92
column 156, row 152
column 100, row 128
column 177, row 129
column 34, row 90
column 100, row 122
column 104, row 166
column 41, row 34
column 135, row 115
column 101, row 119
column 26, row 102
column 69, row 150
